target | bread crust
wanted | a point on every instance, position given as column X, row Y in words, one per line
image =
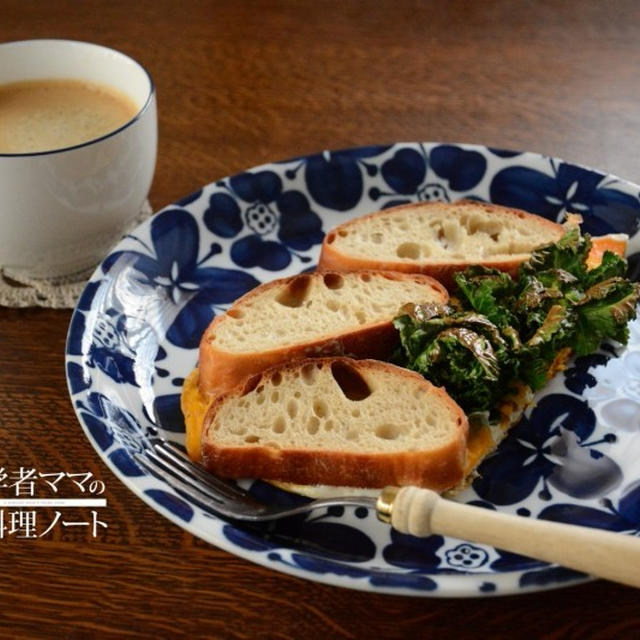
column 441, row 270
column 437, row 468
column 221, row 370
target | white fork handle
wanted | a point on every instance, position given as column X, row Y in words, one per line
column 602, row 554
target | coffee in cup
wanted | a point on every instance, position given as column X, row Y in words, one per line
column 78, row 140
column 43, row 115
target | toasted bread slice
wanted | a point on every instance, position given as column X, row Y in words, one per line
column 315, row 314
column 337, row 421
column 438, row 239
column 482, row 440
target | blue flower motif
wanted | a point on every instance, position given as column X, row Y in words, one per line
column 334, row 178
column 79, row 379
column 257, row 202
column 552, row 446
column 322, row 565
column 118, row 337
column 461, row 168
column 108, row 424
column 107, row 421
column 77, row 328
column 624, row 517
column 123, row 461
column 168, row 414
column 578, row 378
column 110, row 350
column 549, row 576
column 403, row 581
column 173, row 267
column 570, row 188
column 504, row 153
column 407, row 171
column 466, row 556
column 171, row 502
column 412, row 552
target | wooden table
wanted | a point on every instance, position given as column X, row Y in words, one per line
column 244, row 83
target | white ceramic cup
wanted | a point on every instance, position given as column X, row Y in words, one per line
column 61, row 210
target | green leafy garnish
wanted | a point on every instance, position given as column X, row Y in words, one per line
column 569, row 254
column 603, row 313
column 483, row 289
column 501, row 329
column 461, row 350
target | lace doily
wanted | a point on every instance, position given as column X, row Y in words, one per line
column 59, row 293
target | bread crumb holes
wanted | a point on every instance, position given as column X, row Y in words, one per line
column 279, row 425
column 333, row 305
column 313, row 425
column 388, row 431
column 276, row 379
column 409, row 250
column 251, row 384
column 320, row 408
column 351, row 382
column 295, row 292
column 333, row 280
column 308, row 373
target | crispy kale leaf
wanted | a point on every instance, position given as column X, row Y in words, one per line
column 487, row 291
column 568, row 254
column 502, row 329
column 612, row 266
column 604, row 313
column 462, row 351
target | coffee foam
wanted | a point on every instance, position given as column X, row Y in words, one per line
column 48, row 114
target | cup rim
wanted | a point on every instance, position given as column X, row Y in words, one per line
column 135, row 118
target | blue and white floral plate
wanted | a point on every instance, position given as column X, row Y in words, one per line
column 134, row 335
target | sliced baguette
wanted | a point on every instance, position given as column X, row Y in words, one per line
column 438, row 239
column 337, row 421
column 315, row 314
column 483, row 439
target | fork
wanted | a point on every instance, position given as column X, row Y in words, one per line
column 418, row 512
